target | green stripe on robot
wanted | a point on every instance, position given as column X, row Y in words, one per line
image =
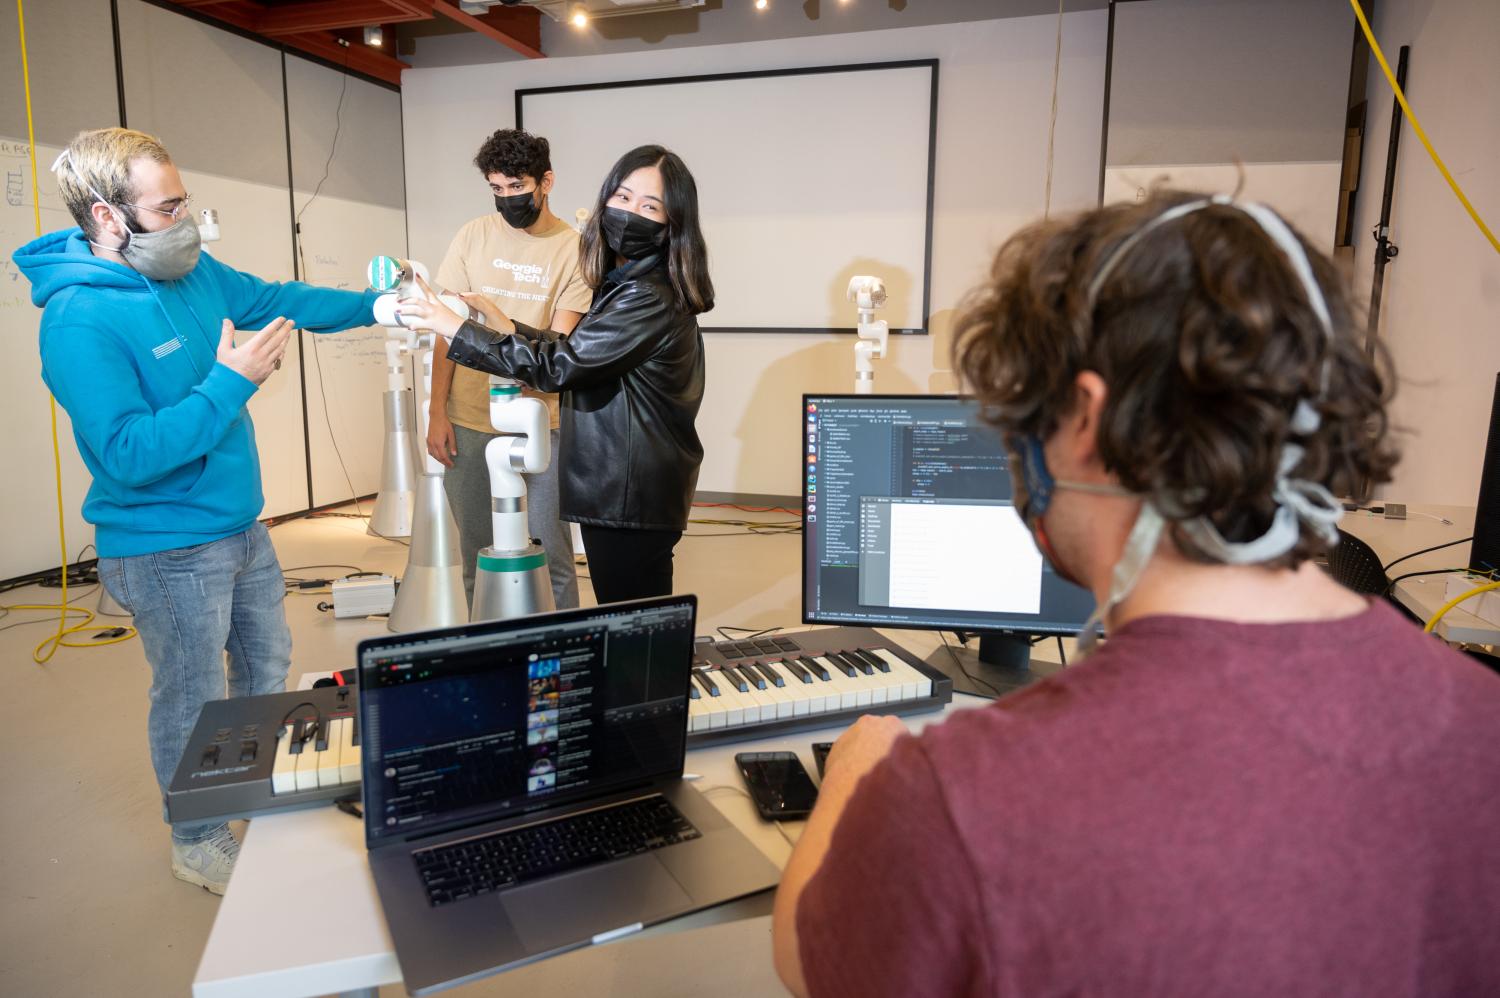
column 520, row 563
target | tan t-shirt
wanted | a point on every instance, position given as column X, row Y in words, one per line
column 528, row 276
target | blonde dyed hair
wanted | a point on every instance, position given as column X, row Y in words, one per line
column 102, row 158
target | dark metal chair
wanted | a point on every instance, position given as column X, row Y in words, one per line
column 1354, row 564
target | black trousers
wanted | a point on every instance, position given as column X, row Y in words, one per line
column 629, row 564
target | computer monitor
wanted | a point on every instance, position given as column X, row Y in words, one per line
column 909, row 523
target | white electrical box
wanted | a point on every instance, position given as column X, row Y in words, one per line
column 363, row 595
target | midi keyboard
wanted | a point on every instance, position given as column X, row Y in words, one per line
column 780, row 683
column 255, row 755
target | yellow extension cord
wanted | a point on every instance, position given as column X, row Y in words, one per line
column 1416, row 125
column 43, row 652
column 1455, row 601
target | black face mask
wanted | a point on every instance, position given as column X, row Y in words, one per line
column 630, row 235
column 519, row 210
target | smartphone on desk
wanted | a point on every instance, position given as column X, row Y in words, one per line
column 820, row 755
column 779, row 786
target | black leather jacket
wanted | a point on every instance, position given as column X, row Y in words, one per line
column 631, row 377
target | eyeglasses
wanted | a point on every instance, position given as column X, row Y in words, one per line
column 176, row 214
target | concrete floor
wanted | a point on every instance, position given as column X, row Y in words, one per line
column 89, row 903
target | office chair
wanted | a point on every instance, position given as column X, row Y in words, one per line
column 1355, row 565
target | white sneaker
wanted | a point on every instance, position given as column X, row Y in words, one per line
column 207, row 862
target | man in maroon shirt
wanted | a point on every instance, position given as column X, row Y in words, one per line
column 1262, row 784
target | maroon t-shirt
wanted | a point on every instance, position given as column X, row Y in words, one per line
column 1201, row 808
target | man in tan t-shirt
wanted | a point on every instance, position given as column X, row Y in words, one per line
column 526, row 259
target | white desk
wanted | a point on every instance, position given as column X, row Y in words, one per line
column 301, row 916
column 1425, row 594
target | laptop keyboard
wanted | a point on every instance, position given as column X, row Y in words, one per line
column 480, row 866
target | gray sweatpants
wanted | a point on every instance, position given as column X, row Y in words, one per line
column 468, row 485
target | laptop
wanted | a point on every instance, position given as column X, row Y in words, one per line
column 523, row 789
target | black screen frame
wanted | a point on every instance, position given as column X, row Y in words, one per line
column 808, row 617
column 497, row 628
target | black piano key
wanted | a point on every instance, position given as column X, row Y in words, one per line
column 693, row 693
column 859, row 663
column 842, row 664
column 320, row 737
column 751, row 671
column 771, row 674
column 733, row 678
column 874, row 659
column 298, row 737
column 354, row 738
column 708, row 685
column 815, row 667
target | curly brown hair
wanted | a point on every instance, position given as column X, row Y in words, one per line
column 1206, row 342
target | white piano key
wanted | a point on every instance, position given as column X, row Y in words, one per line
column 825, row 696
column 284, row 767
column 790, row 695
column 846, row 688
column 863, row 687
column 307, row 767
column 348, row 752
column 915, row 684
column 765, row 705
column 736, row 706
column 328, row 759
column 717, row 707
column 698, row 712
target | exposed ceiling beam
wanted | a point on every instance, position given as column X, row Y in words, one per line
column 244, row 14
column 489, row 27
column 333, row 15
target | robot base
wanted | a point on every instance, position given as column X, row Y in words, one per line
column 398, row 470
column 432, row 588
column 512, row 584
column 429, row 597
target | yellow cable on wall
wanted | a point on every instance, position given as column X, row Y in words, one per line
column 44, row 651
column 1416, row 125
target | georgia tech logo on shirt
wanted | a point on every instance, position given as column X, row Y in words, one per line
column 525, row 273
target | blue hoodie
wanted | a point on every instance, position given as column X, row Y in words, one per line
column 161, row 424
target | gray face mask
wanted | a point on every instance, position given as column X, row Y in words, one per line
column 166, row 255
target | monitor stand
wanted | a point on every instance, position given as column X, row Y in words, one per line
column 1001, row 665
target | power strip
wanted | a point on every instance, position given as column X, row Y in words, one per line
column 363, row 595
column 1485, row 606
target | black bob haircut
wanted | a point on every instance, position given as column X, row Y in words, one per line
column 515, row 153
column 687, row 255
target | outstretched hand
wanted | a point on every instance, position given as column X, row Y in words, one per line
column 428, row 312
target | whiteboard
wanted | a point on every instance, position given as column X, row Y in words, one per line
column 805, row 178
column 28, row 494
column 346, row 371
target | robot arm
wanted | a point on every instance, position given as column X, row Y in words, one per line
column 398, row 279
column 868, row 294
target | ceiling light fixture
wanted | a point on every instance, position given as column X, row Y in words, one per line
column 374, row 35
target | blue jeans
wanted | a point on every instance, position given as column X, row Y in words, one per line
column 191, row 605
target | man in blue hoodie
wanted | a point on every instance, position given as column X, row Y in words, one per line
column 139, row 345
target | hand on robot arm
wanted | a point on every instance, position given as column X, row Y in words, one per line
column 494, row 317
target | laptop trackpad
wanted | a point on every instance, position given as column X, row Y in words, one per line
column 572, row 909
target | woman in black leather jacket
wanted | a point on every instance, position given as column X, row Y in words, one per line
column 630, row 374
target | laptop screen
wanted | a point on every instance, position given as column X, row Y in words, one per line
column 497, row 719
